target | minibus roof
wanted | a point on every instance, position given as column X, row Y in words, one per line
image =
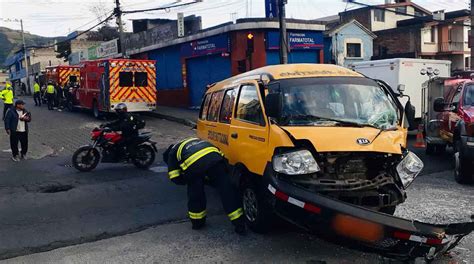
column 287, row 71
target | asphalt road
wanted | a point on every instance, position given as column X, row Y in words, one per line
column 45, row 204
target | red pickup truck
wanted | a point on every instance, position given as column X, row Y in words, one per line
column 456, row 126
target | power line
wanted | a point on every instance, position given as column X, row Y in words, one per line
column 157, row 8
column 74, row 37
column 107, row 19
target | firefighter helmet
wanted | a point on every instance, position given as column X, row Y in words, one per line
column 121, row 108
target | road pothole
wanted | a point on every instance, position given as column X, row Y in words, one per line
column 55, row 188
column 49, row 188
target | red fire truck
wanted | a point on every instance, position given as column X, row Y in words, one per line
column 106, row 83
column 62, row 74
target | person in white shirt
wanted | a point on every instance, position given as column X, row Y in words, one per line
column 16, row 126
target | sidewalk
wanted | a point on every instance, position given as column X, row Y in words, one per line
column 181, row 115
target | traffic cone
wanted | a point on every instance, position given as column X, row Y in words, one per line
column 420, row 141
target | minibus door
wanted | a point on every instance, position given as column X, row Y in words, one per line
column 249, row 130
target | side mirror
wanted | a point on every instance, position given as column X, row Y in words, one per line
column 273, row 105
column 401, row 88
column 438, row 104
column 410, row 115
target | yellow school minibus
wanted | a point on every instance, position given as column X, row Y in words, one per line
column 305, row 140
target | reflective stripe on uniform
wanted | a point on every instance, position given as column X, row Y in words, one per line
column 196, row 156
column 199, row 215
column 181, row 146
column 236, row 214
column 174, row 174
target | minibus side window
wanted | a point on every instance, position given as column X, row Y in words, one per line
column 215, row 106
column 227, row 106
column 248, row 106
column 205, row 107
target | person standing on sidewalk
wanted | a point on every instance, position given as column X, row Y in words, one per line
column 50, row 95
column 16, row 126
column 7, row 96
column 37, row 94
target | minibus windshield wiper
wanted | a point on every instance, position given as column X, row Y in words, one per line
column 320, row 118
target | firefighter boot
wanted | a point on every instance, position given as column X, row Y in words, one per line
column 239, row 225
column 198, row 223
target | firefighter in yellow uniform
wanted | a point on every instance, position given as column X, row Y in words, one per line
column 7, row 96
column 50, row 95
column 195, row 162
column 37, row 94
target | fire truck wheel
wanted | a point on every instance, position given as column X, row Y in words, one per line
column 95, row 110
column 258, row 213
column 145, row 156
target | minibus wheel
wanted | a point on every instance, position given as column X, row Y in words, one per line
column 257, row 212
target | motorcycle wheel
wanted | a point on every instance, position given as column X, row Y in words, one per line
column 145, row 156
column 85, row 158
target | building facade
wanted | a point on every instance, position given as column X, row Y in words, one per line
column 444, row 38
column 348, row 43
column 386, row 16
column 185, row 66
column 38, row 59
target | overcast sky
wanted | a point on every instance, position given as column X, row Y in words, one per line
column 59, row 17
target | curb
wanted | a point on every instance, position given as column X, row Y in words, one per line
column 179, row 120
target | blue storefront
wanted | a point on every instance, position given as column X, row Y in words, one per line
column 207, row 61
column 304, row 47
column 187, row 66
column 168, row 74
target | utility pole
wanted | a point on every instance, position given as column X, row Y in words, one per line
column 118, row 14
column 471, row 36
column 283, row 35
column 28, row 90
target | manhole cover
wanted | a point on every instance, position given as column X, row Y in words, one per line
column 55, row 188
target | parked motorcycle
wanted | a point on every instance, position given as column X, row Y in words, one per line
column 105, row 148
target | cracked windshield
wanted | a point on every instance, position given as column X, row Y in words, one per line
column 336, row 101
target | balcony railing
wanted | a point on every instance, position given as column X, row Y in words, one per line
column 451, row 46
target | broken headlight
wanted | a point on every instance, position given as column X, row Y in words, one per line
column 409, row 168
column 295, row 163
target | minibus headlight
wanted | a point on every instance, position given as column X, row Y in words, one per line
column 409, row 168
column 295, row 163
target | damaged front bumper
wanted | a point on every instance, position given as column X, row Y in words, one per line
column 358, row 227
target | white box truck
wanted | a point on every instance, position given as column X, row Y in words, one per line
column 404, row 71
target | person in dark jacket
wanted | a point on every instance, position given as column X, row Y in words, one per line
column 194, row 162
column 16, row 126
column 127, row 124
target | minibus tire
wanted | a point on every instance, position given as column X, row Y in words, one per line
column 257, row 212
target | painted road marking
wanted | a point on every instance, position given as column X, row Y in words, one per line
column 159, row 169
